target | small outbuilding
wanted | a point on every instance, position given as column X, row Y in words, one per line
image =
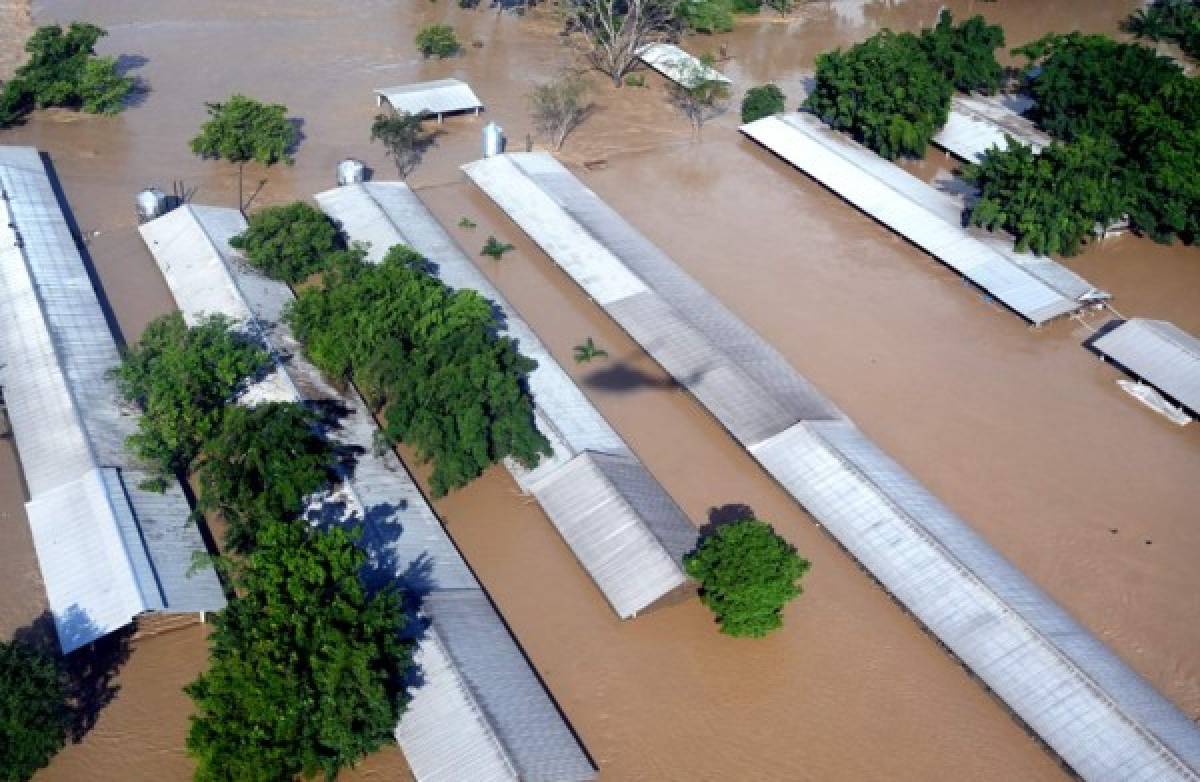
column 679, row 66
column 431, row 98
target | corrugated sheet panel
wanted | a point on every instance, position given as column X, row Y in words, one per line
column 384, row 214
column 977, row 123
column 1096, row 712
column 504, row 688
column 443, row 96
column 922, row 215
column 679, row 66
column 404, row 540
column 1160, row 353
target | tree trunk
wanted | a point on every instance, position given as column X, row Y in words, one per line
column 241, row 206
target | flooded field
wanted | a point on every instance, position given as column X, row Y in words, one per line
column 1022, row 432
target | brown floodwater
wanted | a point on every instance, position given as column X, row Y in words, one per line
column 1022, row 432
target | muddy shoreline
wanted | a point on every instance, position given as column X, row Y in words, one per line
column 1023, row 433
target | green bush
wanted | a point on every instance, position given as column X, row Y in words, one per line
column 437, row 40
column 966, row 54
column 306, row 667
column 429, row 357
column 747, row 575
column 63, row 70
column 289, row 242
column 762, row 102
column 33, row 711
column 747, row 6
column 181, row 378
column 262, row 464
column 884, row 92
column 706, row 16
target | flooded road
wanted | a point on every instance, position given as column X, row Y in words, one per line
column 1022, row 432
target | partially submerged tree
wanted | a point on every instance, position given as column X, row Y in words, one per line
column 558, row 107
column 616, row 30
column 747, row 574
column 588, row 351
column 403, row 138
column 262, row 463
column 437, row 40
column 782, row 7
column 495, row 249
column 699, row 94
column 1169, row 20
column 966, row 54
column 181, row 378
column 241, row 130
column 762, row 102
column 883, row 91
column 428, row 357
column 706, row 16
column 33, row 710
column 63, row 70
column 289, row 242
column 306, row 669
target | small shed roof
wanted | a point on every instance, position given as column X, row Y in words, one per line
column 610, row 524
column 977, row 123
column 1035, row 287
column 1160, row 353
column 443, row 96
column 679, row 66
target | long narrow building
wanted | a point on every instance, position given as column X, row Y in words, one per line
column 1099, row 715
column 977, row 123
column 108, row 549
column 1035, row 287
column 620, row 523
column 478, row 710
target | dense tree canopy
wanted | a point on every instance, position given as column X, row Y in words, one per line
column 706, row 16
column 63, row 70
column 883, row 91
column 181, row 378
column 762, row 102
column 33, row 710
column 307, row 667
column 428, row 357
column 288, row 242
column 261, row 464
column 966, row 54
column 1169, row 20
column 747, row 574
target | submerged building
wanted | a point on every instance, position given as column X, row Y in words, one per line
column 1098, row 714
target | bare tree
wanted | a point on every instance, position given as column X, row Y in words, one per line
column 404, row 139
column 617, row 30
column 558, row 107
column 700, row 94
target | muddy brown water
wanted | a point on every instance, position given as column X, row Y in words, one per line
column 1022, row 432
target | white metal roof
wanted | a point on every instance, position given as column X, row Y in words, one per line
column 1160, row 353
column 679, row 66
column 443, row 96
column 404, row 540
column 1085, row 702
column 108, row 550
column 977, row 123
column 1034, row 287
column 608, row 544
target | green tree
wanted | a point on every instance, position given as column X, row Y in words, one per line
column 289, row 242
column 1050, row 201
column 181, row 378
column 1169, row 20
column 33, row 711
column 966, row 54
column 762, row 102
column 883, row 91
column 747, row 574
column 243, row 129
column 706, row 16
column 262, row 464
column 403, row 139
column 63, row 70
column 306, row 666
column 437, row 40
column 426, row 355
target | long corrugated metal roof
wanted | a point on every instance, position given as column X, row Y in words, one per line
column 1085, row 702
column 444, row 96
column 1034, row 287
column 402, row 536
column 108, row 549
column 608, row 544
column 977, row 123
column 679, row 66
column 1160, row 353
